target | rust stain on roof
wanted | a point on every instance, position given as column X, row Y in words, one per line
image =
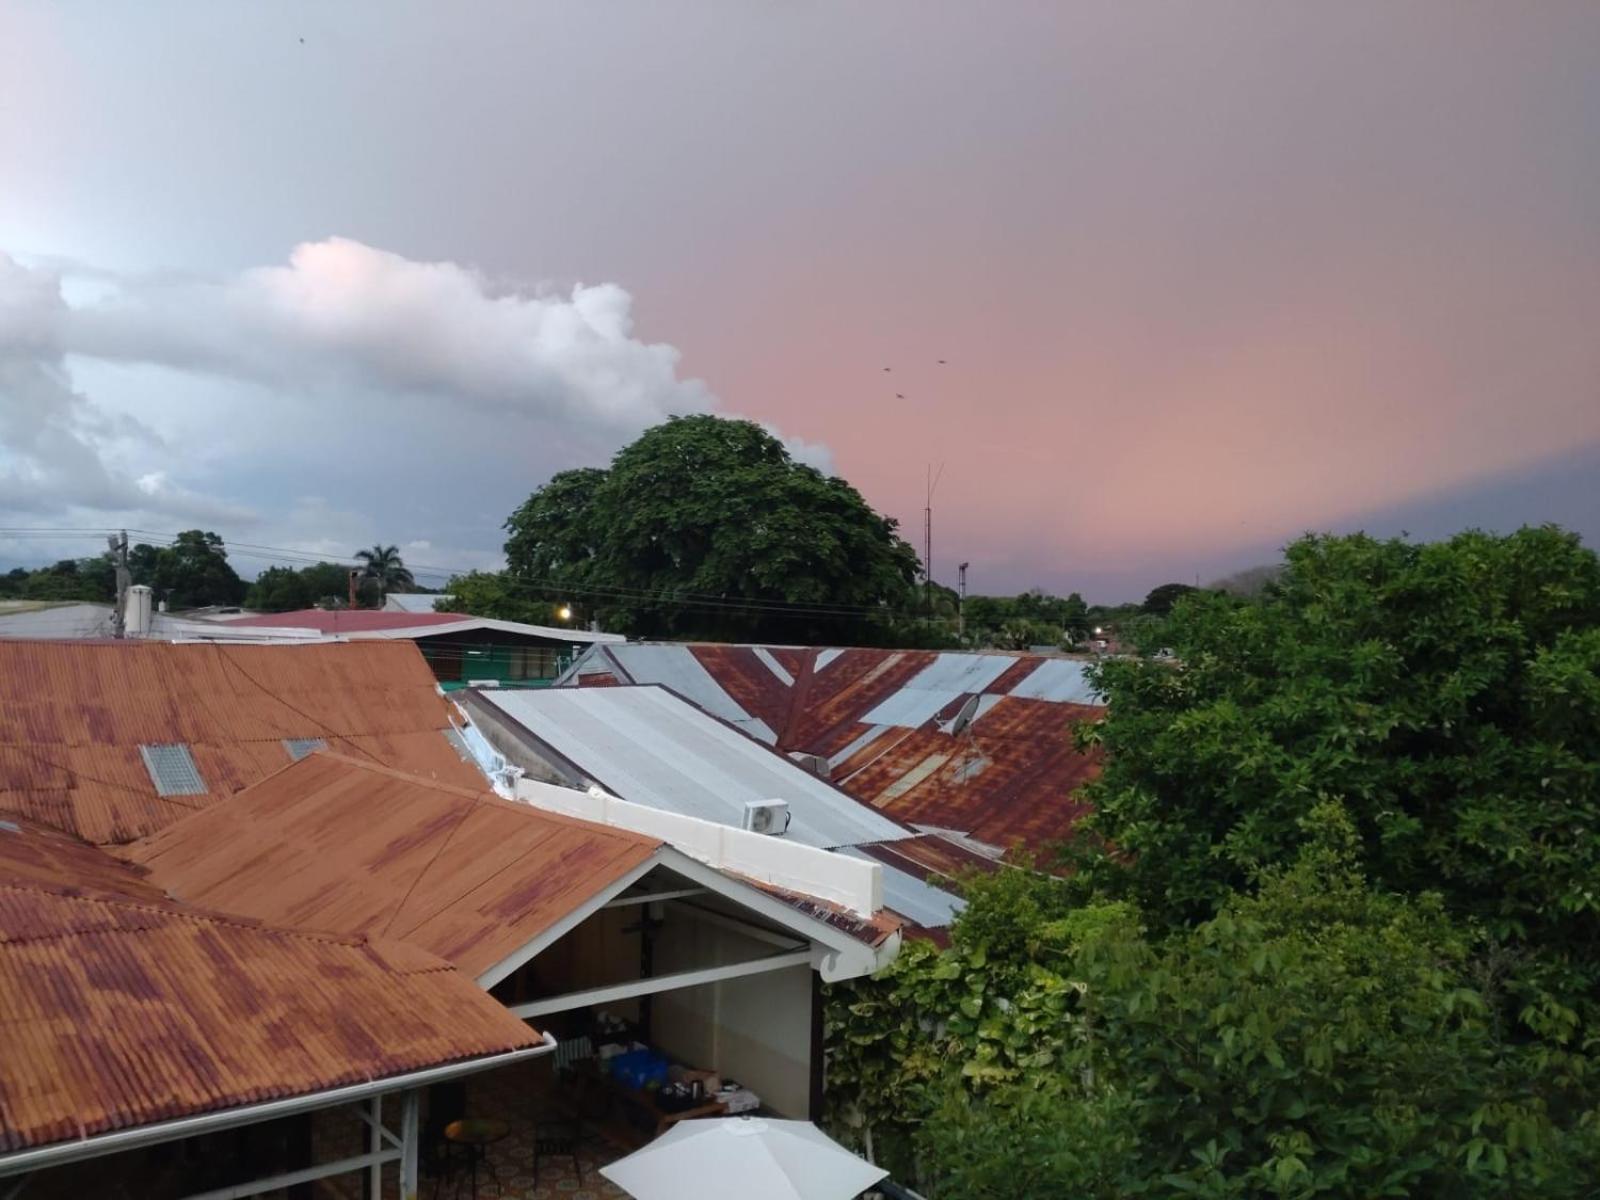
column 35, row 854
column 341, row 844
column 73, row 716
column 120, row 1013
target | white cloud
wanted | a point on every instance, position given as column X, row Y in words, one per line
column 420, row 400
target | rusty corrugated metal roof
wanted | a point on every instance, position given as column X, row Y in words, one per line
column 345, row 845
column 73, row 716
column 119, row 1014
column 977, row 743
column 31, row 853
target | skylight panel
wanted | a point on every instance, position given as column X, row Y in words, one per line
column 172, row 770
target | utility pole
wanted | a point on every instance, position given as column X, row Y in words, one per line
column 961, row 603
column 355, row 575
column 119, row 559
column 927, row 538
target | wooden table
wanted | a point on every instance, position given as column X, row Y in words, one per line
column 641, row 1112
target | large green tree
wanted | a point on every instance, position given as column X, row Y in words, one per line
column 386, row 568
column 707, row 527
column 192, row 572
column 1448, row 694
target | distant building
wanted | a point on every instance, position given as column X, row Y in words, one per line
column 460, row 649
column 413, row 602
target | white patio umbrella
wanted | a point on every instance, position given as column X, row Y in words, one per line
column 739, row 1157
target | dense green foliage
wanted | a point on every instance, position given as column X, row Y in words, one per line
column 192, row 572
column 1316, row 1038
column 321, row 585
column 1333, row 930
column 1448, row 694
column 384, row 566
column 1159, row 601
column 496, row 594
column 706, row 527
column 1033, row 618
column 69, row 579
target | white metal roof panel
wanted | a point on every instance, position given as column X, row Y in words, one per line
column 1059, row 679
column 648, row 746
column 936, row 685
column 677, row 668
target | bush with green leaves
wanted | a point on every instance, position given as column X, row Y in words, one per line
column 1448, row 694
column 1318, row 1038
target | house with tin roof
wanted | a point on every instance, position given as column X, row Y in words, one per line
column 460, row 649
column 977, row 747
column 135, row 1023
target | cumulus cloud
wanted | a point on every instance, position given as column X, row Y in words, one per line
column 309, row 388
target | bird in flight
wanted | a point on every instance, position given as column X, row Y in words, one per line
column 886, row 368
column 899, row 395
column 941, row 362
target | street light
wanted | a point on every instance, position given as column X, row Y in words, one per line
column 564, row 613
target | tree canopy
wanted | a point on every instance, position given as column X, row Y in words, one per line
column 192, row 572
column 1447, row 694
column 385, row 567
column 706, row 527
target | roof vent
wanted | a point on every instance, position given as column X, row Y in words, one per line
column 298, row 748
column 172, row 770
column 767, row 816
column 814, row 764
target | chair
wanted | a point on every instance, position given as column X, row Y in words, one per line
column 557, row 1137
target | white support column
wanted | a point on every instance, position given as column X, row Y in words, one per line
column 410, row 1136
column 375, row 1145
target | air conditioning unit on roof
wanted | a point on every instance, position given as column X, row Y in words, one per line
column 766, row 816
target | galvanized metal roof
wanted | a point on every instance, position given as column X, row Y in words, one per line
column 349, row 846
column 73, row 716
column 120, row 1013
column 914, row 898
column 647, row 745
column 978, row 743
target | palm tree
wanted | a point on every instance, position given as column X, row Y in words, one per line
column 385, row 566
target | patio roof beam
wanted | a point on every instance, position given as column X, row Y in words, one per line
column 653, row 897
column 272, row 1183
column 661, row 983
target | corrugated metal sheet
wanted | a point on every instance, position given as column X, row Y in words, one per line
column 74, row 715
column 31, row 853
column 920, row 902
column 684, row 673
column 119, row 1014
column 885, row 721
column 339, row 844
column 646, row 745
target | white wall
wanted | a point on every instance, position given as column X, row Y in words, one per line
column 756, row 1029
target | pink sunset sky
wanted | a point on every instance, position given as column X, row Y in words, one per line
column 1204, row 276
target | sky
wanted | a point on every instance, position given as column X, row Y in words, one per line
column 1202, row 276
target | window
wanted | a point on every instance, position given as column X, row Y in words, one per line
column 172, row 770
column 298, row 748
